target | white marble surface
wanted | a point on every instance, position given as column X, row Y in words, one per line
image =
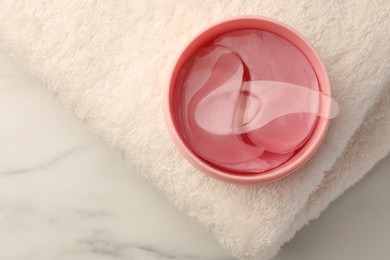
column 66, row 195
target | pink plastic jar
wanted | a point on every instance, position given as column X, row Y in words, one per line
column 318, row 131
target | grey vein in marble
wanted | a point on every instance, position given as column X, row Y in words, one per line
column 44, row 165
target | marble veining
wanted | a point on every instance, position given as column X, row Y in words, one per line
column 43, row 165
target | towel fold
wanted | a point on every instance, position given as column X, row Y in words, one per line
column 109, row 62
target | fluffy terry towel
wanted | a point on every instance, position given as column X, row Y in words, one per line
column 110, row 60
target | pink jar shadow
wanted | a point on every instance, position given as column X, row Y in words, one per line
column 318, row 130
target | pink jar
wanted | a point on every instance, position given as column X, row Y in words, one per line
column 250, row 49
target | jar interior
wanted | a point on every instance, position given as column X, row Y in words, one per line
column 211, row 103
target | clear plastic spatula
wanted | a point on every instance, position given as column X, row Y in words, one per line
column 258, row 103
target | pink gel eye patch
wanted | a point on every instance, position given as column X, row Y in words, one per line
column 247, row 101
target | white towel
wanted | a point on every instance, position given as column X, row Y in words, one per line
column 110, row 60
